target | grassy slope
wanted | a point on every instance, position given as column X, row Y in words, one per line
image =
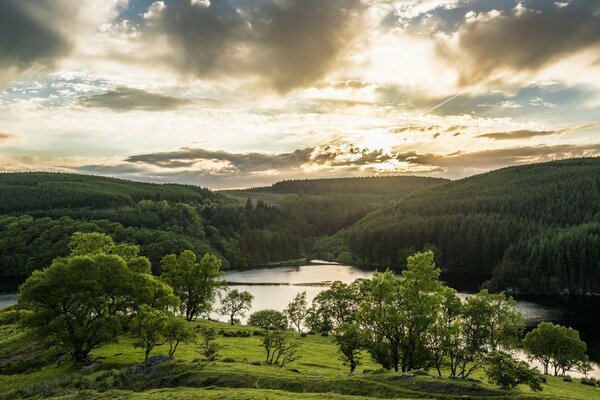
column 318, row 375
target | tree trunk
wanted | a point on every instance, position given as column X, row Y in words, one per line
column 146, row 354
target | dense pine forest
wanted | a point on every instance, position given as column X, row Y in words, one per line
column 40, row 211
column 534, row 227
column 380, row 186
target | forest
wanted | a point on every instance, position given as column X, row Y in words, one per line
column 533, row 228
column 40, row 211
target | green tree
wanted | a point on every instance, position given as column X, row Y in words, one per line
column 443, row 335
column 148, row 327
column 491, row 322
column 421, row 296
column 85, row 300
column 331, row 307
column 350, row 343
column 296, row 310
column 210, row 348
column 177, row 331
column 195, row 282
column 235, row 303
column 507, row 372
column 268, row 319
column 556, row 346
column 280, row 348
column 380, row 318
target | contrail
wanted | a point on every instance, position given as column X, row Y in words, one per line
column 442, row 103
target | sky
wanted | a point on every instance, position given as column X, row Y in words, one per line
column 242, row 93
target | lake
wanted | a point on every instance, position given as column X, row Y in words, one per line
column 275, row 287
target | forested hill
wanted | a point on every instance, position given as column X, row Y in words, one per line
column 40, row 211
column 35, row 191
column 536, row 227
column 383, row 185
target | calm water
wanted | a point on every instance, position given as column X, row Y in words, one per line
column 275, row 287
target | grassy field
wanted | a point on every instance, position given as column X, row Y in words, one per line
column 239, row 373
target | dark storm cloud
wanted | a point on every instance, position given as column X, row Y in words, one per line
column 29, row 35
column 523, row 39
column 287, row 43
column 128, row 99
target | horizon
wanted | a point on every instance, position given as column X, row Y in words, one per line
column 233, row 94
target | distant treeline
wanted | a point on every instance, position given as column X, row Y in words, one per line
column 383, row 185
column 536, row 227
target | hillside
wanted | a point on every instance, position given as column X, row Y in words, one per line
column 239, row 373
column 37, row 191
column 380, row 186
column 40, row 211
column 536, row 227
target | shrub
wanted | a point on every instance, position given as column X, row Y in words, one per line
column 508, row 372
column 567, row 378
column 228, row 360
column 588, row 382
column 268, row 319
column 281, row 349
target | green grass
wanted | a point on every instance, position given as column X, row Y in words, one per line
column 319, row 374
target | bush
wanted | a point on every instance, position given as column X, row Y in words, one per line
column 228, row 360
column 280, row 348
column 588, row 382
column 507, row 372
column 567, row 378
column 269, row 319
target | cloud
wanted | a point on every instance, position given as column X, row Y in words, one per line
column 30, row 35
column 128, row 99
column 462, row 164
column 285, row 43
column 490, row 44
column 526, row 134
column 5, row 137
column 222, row 161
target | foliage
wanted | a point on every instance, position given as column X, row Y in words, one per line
column 177, row 331
column 296, row 310
column 556, row 346
column 195, row 282
column 350, row 343
column 235, row 303
column 83, row 301
column 280, row 349
column 268, row 319
column 535, row 227
column 506, row 371
column 397, row 313
column 334, row 306
column 209, row 348
column 490, row 322
column 148, row 327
